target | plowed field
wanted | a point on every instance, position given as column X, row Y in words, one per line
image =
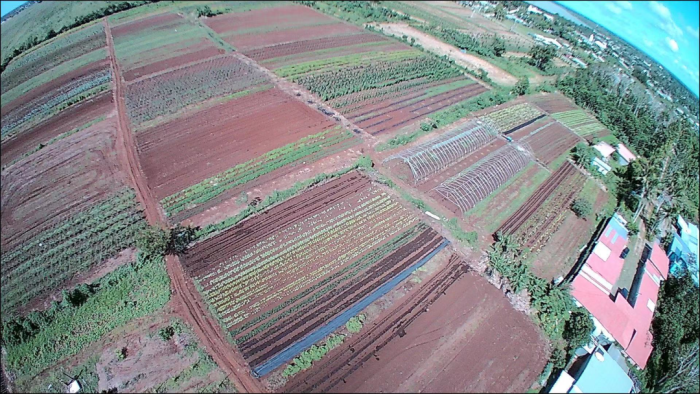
column 551, row 142
column 279, row 279
column 456, row 333
column 553, row 103
column 67, row 120
column 186, row 151
column 535, row 221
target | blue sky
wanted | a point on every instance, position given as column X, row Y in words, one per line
column 665, row 30
column 7, row 6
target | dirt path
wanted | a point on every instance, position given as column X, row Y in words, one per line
column 463, row 59
column 184, row 300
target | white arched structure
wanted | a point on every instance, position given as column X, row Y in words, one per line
column 474, row 184
column 433, row 156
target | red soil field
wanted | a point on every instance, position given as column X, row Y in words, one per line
column 263, row 338
column 175, row 61
column 390, row 115
column 58, row 181
column 553, row 103
column 183, row 152
column 250, row 41
column 296, row 47
column 141, row 24
column 307, row 57
column 551, row 142
column 14, row 78
column 66, row 120
column 456, row 333
column 275, row 18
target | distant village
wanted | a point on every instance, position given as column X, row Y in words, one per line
column 597, row 46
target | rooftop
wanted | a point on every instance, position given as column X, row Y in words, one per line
column 604, row 148
column 603, row 376
column 625, row 152
column 628, row 324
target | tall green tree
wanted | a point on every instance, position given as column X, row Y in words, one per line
column 541, row 56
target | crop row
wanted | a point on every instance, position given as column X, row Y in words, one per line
column 508, row 118
column 536, row 230
column 73, row 246
column 289, row 261
column 48, row 56
column 253, row 327
column 55, row 100
column 250, row 170
column 340, row 62
column 168, row 93
column 329, row 85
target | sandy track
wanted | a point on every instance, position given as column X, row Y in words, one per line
column 185, row 299
column 463, row 59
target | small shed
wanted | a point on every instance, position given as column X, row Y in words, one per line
column 602, row 166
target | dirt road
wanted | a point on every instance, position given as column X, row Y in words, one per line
column 463, row 59
column 185, row 299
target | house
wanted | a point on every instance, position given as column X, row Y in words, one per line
column 548, row 17
column 603, row 46
column 597, row 372
column 579, row 62
column 534, row 10
column 602, row 166
column 683, row 251
column 605, row 149
column 621, row 315
column 626, row 156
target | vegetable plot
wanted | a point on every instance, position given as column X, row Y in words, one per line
column 279, row 277
column 535, row 221
column 580, row 122
column 513, row 118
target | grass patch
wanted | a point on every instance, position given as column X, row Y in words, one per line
column 470, row 237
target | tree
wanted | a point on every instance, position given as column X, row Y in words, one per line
column 640, row 74
column 583, row 154
column 673, row 364
column 522, row 87
column 499, row 12
column 180, row 238
column 582, row 207
column 498, row 46
column 541, row 56
column 153, row 241
column 578, row 328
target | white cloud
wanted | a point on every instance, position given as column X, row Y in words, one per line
column 693, row 32
column 625, row 4
column 667, row 23
column 672, row 44
column 648, row 43
column 613, row 8
column 660, row 9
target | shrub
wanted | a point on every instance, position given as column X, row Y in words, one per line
column 354, row 325
column 578, row 328
column 522, row 87
column 166, row 333
column 582, row 207
column 632, row 228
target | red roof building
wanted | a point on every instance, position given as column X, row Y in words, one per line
column 626, row 320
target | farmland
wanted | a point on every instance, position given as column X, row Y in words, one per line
column 150, row 45
column 295, row 269
column 53, row 77
column 449, row 324
column 375, row 82
column 269, row 290
column 536, row 220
